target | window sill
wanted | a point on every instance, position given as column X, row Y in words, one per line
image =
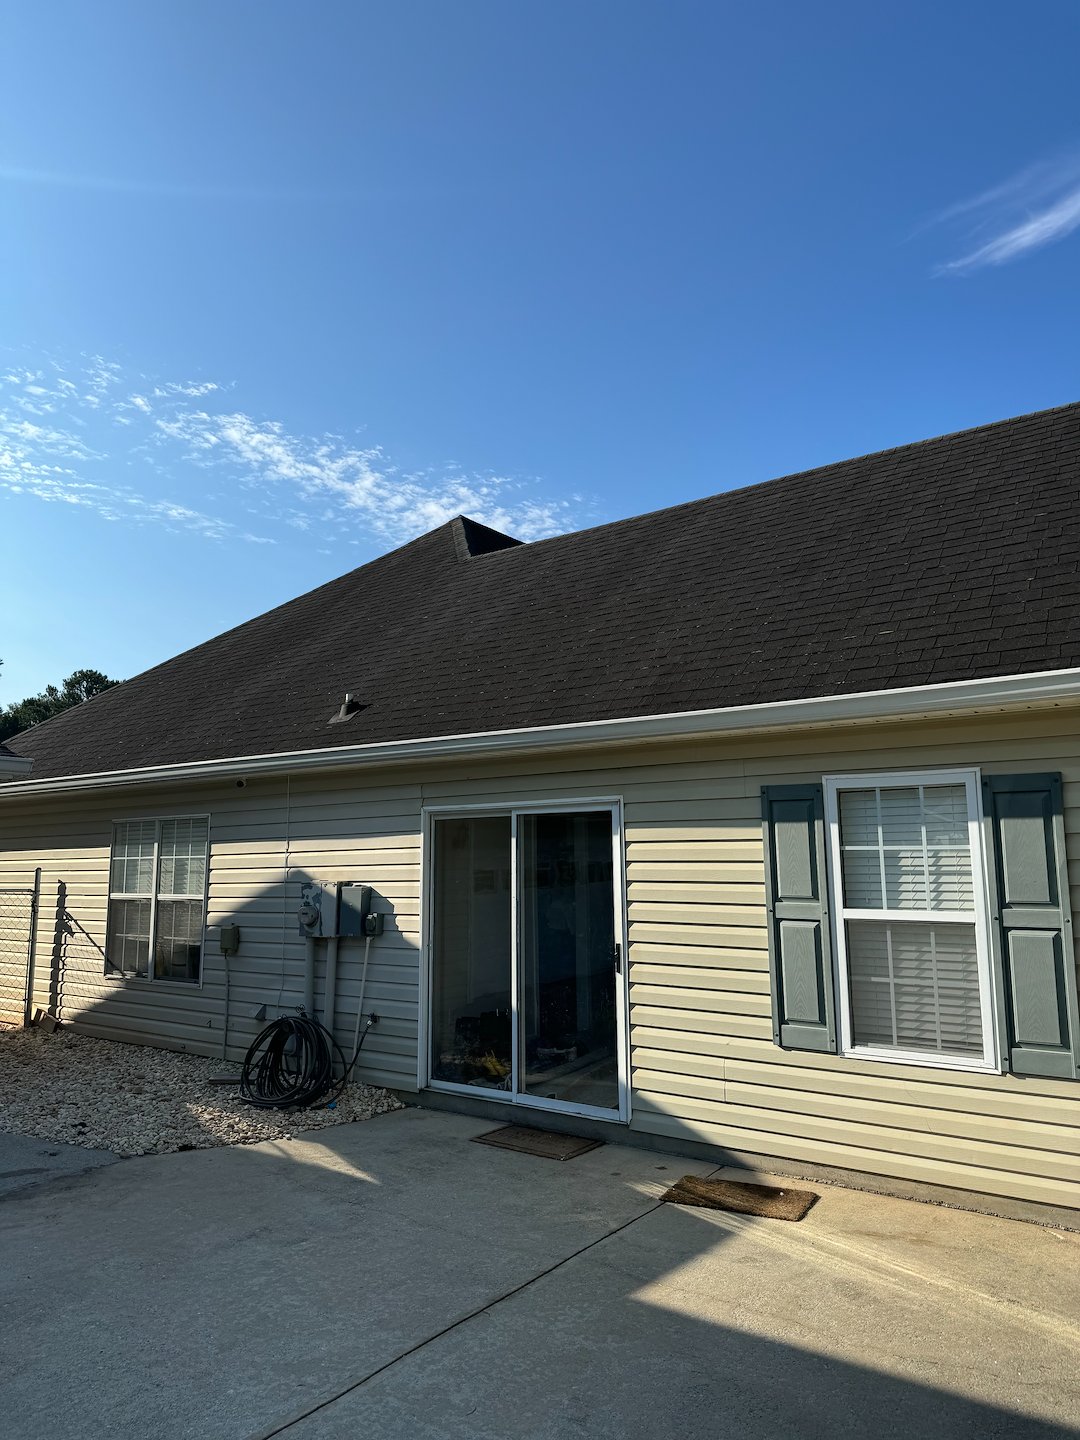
column 118, row 978
column 963, row 1064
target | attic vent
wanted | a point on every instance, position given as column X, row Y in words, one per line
column 350, row 706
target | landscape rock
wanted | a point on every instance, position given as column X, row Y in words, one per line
column 136, row 1100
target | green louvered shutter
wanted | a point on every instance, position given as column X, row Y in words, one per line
column 1034, row 959
column 800, row 959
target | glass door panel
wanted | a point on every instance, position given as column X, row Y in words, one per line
column 472, row 1006
column 568, row 1014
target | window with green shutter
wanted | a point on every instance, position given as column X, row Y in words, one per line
column 923, row 918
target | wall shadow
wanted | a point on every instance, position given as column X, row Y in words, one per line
column 238, row 996
column 70, row 940
column 288, row 1273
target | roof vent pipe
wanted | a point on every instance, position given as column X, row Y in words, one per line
column 349, row 707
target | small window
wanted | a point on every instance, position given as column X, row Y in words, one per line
column 911, row 918
column 157, row 899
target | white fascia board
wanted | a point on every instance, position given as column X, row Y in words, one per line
column 911, row 702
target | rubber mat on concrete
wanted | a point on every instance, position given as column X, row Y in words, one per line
column 768, row 1200
column 537, row 1142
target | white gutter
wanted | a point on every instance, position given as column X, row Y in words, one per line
column 910, row 702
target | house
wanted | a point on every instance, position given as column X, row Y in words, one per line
column 746, row 825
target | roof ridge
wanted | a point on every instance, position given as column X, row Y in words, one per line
column 831, row 465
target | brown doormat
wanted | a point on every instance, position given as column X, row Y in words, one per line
column 537, row 1142
column 767, row 1200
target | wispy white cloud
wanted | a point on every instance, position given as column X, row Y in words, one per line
column 190, row 387
column 324, row 475
column 1034, row 208
column 23, row 473
column 101, row 375
column 45, row 439
column 53, row 463
column 68, row 432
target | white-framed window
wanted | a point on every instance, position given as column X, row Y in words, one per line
column 157, row 899
column 911, row 918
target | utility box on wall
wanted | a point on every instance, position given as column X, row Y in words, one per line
column 342, row 908
column 317, row 914
column 357, row 917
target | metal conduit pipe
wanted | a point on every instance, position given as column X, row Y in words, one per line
column 225, row 1028
column 360, row 1004
column 309, row 978
column 330, row 995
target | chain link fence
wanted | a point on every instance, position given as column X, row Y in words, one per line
column 18, row 924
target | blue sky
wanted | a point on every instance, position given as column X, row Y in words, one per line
column 285, row 285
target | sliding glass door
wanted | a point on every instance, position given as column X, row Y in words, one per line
column 567, row 1026
column 471, row 1008
column 526, row 974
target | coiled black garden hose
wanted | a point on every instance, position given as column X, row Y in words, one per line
column 291, row 1065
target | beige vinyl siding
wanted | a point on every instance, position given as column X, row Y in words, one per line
column 704, row 1067
column 264, row 842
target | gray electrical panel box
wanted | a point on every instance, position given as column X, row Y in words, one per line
column 356, row 917
column 317, row 915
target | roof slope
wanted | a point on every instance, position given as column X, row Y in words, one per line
column 955, row 558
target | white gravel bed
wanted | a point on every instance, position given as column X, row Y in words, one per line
column 135, row 1100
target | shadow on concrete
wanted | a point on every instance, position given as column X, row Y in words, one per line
column 26, row 1160
column 220, row 1292
column 391, row 1279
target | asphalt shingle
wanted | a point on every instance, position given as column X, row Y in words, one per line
column 954, row 558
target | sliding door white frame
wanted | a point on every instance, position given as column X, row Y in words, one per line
column 572, row 805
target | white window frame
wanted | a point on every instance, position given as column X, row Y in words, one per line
column 110, row 972
column 979, row 916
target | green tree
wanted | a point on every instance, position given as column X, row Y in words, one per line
column 79, row 686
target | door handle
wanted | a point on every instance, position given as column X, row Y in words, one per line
column 616, row 955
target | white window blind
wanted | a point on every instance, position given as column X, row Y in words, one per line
column 915, row 986
column 906, row 848
column 132, row 870
column 910, row 936
column 157, row 896
column 183, row 857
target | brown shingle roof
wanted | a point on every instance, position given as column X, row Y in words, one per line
column 954, row 558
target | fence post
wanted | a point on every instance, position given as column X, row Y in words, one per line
column 35, row 905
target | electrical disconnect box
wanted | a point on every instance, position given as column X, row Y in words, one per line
column 357, row 917
column 342, row 908
column 317, row 914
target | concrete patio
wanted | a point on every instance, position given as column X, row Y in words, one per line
column 389, row 1279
